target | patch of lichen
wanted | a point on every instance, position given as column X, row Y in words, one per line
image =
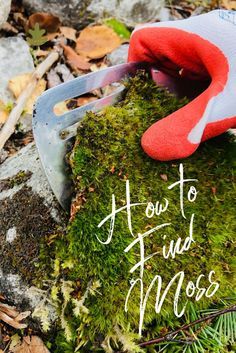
column 21, row 177
column 107, row 153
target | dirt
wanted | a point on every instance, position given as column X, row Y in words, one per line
column 33, row 222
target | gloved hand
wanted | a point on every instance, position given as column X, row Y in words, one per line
column 198, row 47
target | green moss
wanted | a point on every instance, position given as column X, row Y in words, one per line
column 21, row 177
column 118, row 27
column 107, row 153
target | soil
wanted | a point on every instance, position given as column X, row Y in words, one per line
column 33, row 222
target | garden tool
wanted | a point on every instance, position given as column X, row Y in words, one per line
column 54, row 135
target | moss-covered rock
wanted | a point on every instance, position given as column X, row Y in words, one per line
column 107, row 153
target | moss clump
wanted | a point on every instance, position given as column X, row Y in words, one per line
column 107, row 153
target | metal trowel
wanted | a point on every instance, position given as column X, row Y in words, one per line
column 54, row 134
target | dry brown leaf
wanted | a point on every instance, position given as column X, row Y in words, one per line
column 74, row 60
column 96, row 67
column 12, row 317
column 9, row 310
column 40, row 53
column 3, row 116
column 164, row 177
column 20, row 19
column 39, row 89
column 31, row 344
column 11, row 321
column 18, row 83
column 85, row 100
column 229, row 4
column 22, row 316
column 51, row 36
column 68, row 32
column 7, row 27
column 97, row 41
column 15, row 340
column 45, row 20
column 60, row 108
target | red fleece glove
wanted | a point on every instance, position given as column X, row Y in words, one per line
column 201, row 46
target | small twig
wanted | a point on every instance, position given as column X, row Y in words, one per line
column 169, row 336
column 9, row 126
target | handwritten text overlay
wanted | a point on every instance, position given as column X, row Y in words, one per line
column 169, row 252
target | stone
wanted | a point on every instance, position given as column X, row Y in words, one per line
column 5, row 6
column 71, row 13
column 28, row 213
column 15, row 59
column 11, row 235
column 79, row 13
column 130, row 12
column 119, row 55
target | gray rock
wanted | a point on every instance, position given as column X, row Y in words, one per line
column 72, row 13
column 79, row 13
column 26, row 160
column 130, row 12
column 119, row 55
column 26, row 297
column 28, row 213
column 15, row 59
column 5, row 7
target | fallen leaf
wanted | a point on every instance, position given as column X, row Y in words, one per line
column 112, row 170
column 85, row 100
column 39, row 89
column 60, row 108
column 31, row 344
column 12, row 317
column 6, row 338
column 22, row 316
column 68, row 32
column 229, row 4
column 20, row 19
column 45, row 20
column 15, row 340
column 96, row 67
column 40, row 53
column 74, row 60
column 51, row 36
column 164, row 177
column 97, row 41
column 9, row 310
column 7, row 27
column 3, row 116
column 213, row 189
column 18, row 83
